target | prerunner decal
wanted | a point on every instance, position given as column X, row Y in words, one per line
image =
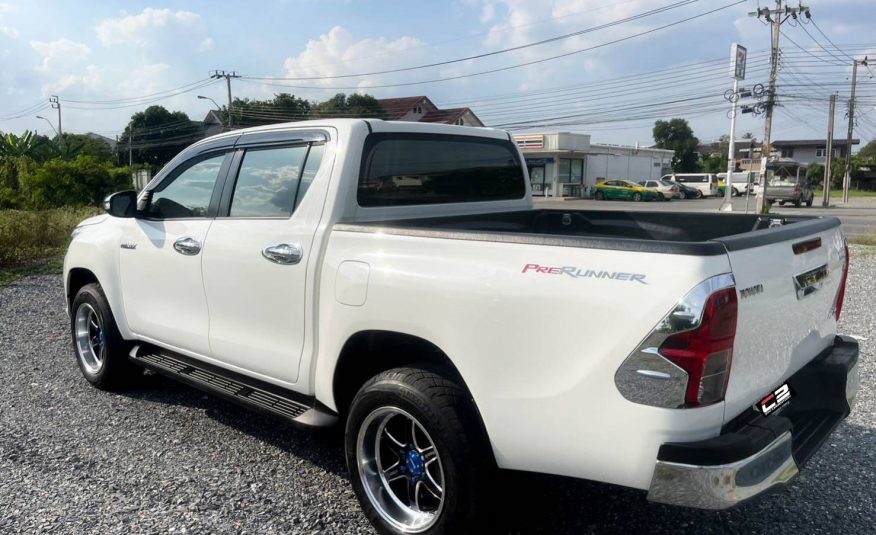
column 576, row 273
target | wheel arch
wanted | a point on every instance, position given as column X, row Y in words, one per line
column 370, row 352
column 76, row 279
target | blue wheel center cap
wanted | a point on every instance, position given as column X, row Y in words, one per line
column 414, row 463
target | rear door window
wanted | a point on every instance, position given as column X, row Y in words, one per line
column 268, row 182
column 415, row 169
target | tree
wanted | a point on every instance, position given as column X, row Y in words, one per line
column 342, row 105
column 715, row 164
column 84, row 180
column 677, row 135
column 27, row 145
column 868, row 152
column 283, row 107
column 86, row 145
column 156, row 135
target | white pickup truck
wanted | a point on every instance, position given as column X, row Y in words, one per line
column 396, row 278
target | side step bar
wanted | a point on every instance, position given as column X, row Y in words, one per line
column 235, row 387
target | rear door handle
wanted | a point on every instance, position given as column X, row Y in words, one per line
column 284, row 253
column 187, row 246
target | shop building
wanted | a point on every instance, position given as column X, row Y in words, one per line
column 563, row 164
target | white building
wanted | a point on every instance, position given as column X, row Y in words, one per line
column 563, row 164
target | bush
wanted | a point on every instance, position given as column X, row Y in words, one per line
column 79, row 182
column 29, row 236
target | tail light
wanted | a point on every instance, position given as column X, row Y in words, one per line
column 841, row 293
column 685, row 360
column 706, row 352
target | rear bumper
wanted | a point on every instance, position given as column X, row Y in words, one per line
column 754, row 453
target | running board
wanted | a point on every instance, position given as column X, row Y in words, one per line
column 234, row 387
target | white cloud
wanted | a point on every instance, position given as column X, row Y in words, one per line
column 9, row 32
column 88, row 80
column 336, row 52
column 153, row 27
column 59, row 54
column 206, row 44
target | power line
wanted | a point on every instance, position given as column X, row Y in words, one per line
column 510, row 67
column 488, row 54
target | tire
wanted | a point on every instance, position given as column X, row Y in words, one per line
column 797, row 204
column 736, row 193
column 809, row 202
column 417, row 411
column 637, row 197
column 600, row 196
column 698, row 195
column 99, row 349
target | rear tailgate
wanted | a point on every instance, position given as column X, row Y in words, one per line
column 786, row 302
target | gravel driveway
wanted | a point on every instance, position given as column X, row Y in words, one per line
column 166, row 458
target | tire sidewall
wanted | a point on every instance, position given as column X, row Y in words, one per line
column 389, row 393
column 92, row 295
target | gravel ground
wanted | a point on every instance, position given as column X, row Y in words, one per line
column 166, row 458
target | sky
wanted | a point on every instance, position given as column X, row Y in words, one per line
column 108, row 60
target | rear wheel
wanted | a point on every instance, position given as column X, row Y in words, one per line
column 637, row 197
column 414, row 452
column 101, row 352
column 600, row 196
column 698, row 194
column 736, row 193
column 809, row 202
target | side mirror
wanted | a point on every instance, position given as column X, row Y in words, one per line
column 121, row 204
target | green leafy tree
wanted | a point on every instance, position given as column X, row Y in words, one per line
column 282, row 108
column 82, row 181
column 27, row 145
column 156, row 135
column 715, row 164
column 677, row 135
column 85, row 145
column 868, row 152
column 342, row 105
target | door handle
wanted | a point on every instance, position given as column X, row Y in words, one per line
column 187, row 246
column 284, row 253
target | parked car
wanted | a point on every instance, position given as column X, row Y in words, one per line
column 283, row 268
column 705, row 183
column 623, row 189
column 796, row 190
column 687, row 191
column 669, row 190
column 722, row 189
column 741, row 181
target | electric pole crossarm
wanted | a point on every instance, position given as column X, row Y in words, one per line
column 228, row 76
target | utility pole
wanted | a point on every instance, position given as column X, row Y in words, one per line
column 847, row 177
column 228, row 76
column 828, row 157
column 56, row 104
column 775, row 17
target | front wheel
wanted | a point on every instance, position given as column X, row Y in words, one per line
column 698, row 195
column 637, row 197
column 809, row 202
column 414, row 453
column 600, row 196
column 101, row 352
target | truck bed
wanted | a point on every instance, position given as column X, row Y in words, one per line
column 689, row 233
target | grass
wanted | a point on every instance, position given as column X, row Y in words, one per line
column 33, row 242
column 863, row 239
column 834, row 193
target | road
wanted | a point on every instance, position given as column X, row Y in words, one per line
column 165, row 458
column 858, row 216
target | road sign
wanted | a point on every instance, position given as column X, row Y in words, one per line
column 738, row 55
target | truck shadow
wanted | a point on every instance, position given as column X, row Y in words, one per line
column 836, row 483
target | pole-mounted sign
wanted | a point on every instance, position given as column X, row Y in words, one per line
column 739, row 54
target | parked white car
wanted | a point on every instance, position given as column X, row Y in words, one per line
column 667, row 188
column 706, row 183
column 394, row 278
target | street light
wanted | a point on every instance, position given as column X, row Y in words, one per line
column 50, row 124
column 218, row 108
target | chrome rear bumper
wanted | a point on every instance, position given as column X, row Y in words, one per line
column 755, row 453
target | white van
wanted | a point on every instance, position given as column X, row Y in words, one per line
column 705, row 183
